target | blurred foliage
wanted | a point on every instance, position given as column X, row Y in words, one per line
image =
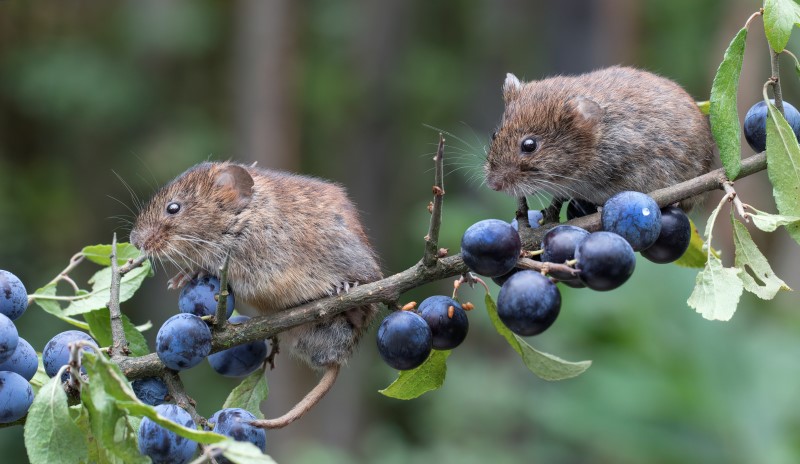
column 144, row 89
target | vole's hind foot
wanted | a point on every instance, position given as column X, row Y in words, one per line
column 344, row 287
column 184, row 277
column 305, row 405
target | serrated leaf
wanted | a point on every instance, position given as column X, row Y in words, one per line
column 756, row 274
column 723, row 115
column 100, row 327
column 117, row 387
column 51, row 436
column 704, row 107
column 695, row 256
column 250, row 392
column 780, row 16
column 413, row 383
column 769, row 222
column 101, row 254
column 100, row 294
column 544, row 365
column 783, row 167
column 240, row 452
column 52, row 306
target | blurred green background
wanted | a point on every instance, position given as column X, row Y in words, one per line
column 98, row 94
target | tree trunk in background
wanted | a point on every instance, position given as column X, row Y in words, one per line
column 264, row 83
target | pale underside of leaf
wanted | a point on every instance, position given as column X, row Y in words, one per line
column 756, row 273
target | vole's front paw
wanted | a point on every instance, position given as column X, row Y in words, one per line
column 184, row 277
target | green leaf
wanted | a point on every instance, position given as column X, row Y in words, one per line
column 114, row 434
column 52, row 306
column 101, row 254
column 544, row 365
column 40, row 378
column 780, row 16
column 101, row 289
column 696, row 255
column 100, row 328
column 756, row 274
column 115, row 386
column 414, row 382
column 51, row 436
column 704, row 107
column 769, row 222
column 240, row 452
column 783, row 167
column 723, row 115
column 249, row 394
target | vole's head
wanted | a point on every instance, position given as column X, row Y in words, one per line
column 190, row 219
column 545, row 141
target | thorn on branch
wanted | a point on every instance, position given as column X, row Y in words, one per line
column 119, row 344
column 430, row 257
column 222, row 300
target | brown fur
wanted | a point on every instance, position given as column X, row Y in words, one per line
column 598, row 134
column 292, row 239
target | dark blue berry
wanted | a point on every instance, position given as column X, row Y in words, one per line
column 558, row 246
column 9, row 338
column 150, row 390
column 490, row 247
column 199, row 297
column 755, row 124
column 24, row 361
column 534, row 216
column 528, row 303
column 162, row 445
column 500, row 280
column 235, row 423
column 634, row 216
column 56, row 352
column 404, row 340
column 13, row 296
column 448, row 330
column 605, row 261
column 673, row 241
column 239, row 360
column 16, row 397
column 578, row 208
column 183, row 341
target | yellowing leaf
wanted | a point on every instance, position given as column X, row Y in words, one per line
column 704, row 106
column 696, row 255
column 544, row 365
column 723, row 115
column 414, row 382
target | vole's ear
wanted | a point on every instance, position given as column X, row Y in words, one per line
column 511, row 87
column 585, row 112
column 235, row 183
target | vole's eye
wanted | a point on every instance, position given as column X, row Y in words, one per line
column 494, row 135
column 173, row 208
column 529, row 145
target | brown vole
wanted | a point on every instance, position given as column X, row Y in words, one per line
column 596, row 134
column 292, row 239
